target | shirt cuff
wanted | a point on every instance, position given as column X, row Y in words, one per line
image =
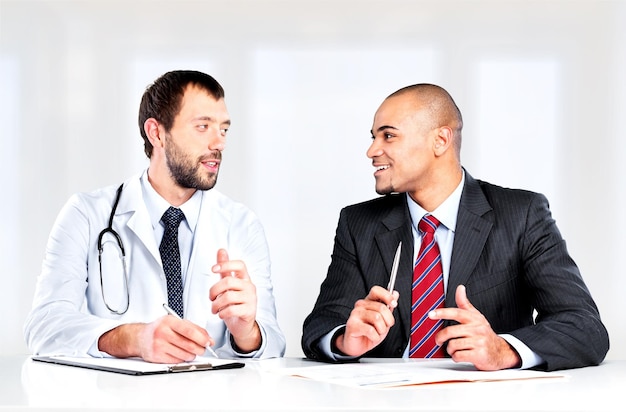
column 255, row 353
column 528, row 357
column 325, row 345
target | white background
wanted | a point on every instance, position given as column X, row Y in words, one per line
column 540, row 85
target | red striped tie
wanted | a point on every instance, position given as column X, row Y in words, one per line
column 427, row 293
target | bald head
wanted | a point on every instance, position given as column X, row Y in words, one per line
column 440, row 106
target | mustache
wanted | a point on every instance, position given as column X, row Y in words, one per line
column 214, row 155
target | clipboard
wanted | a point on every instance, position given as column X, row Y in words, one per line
column 137, row 366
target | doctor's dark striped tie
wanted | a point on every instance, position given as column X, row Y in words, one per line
column 170, row 257
column 427, row 293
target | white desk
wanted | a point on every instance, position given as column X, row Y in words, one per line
column 27, row 385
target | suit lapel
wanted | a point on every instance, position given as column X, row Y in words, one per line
column 398, row 225
column 473, row 227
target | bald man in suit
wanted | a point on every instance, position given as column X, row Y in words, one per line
column 514, row 298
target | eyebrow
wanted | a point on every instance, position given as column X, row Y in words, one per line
column 210, row 119
column 382, row 128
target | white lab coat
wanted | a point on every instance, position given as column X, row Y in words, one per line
column 69, row 314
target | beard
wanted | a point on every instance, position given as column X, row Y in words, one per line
column 384, row 188
column 186, row 171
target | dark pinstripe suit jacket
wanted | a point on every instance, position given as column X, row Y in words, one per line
column 507, row 251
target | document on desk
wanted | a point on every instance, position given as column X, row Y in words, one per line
column 136, row 366
column 379, row 374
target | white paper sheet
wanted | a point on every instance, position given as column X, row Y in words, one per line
column 380, row 374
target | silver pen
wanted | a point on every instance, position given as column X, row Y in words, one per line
column 394, row 268
column 171, row 312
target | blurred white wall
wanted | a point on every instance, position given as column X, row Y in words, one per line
column 540, row 85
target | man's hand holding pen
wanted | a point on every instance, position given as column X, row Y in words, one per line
column 235, row 301
column 372, row 317
column 369, row 322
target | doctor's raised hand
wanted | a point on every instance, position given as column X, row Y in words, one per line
column 234, row 301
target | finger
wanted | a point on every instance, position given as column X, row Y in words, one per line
column 242, row 293
column 240, row 311
column 376, row 314
column 176, row 354
column 367, row 331
column 191, row 337
column 222, row 256
column 226, row 284
column 461, row 299
column 456, row 345
column 222, row 264
column 450, row 333
column 178, row 340
column 232, row 268
column 377, row 293
column 380, row 294
column 368, row 325
column 395, row 296
column 225, row 300
column 448, row 314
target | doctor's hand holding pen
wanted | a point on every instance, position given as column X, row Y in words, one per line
column 168, row 339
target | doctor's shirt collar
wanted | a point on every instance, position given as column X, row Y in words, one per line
column 156, row 205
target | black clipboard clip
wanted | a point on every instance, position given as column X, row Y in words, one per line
column 193, row 367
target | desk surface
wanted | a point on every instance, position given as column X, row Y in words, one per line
column 28, row 385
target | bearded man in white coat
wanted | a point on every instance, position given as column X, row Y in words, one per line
column 103, row 288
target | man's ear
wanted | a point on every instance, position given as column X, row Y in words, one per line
column 154, row 131
column 443, row 140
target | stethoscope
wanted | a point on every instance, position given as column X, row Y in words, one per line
column 120, row 244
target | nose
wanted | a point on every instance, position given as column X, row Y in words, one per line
column 374, row 150
column 218, row 140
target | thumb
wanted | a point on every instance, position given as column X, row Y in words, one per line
column 222, row 256
column 462, row 302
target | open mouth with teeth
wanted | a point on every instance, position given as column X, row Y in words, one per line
column 212, row 165
column 380, row 169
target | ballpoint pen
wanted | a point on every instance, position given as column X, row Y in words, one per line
column 171, row 312
column 394, row 268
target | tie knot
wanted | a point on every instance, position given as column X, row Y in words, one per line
column 172, row 217
column 428, row 224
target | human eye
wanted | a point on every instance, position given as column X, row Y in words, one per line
column 384, row 133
